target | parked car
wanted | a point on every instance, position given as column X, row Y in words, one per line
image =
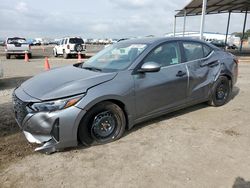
column 17, row 46
column 127, row 83
column 221, row 44
column 2, row 43
column 70, row 46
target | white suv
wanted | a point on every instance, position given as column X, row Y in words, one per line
column 70, row 46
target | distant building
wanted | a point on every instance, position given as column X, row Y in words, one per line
column 208, row 36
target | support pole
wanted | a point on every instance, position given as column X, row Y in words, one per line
column 243, row 32
column 204, row 7
column 174, row 29
column 184, row 23
column 228, row 22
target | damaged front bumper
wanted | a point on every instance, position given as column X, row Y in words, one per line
column 54, row 130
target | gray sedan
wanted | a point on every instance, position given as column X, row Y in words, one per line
column 129, row 82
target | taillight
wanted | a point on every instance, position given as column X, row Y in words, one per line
column 236, row 60
column 68, row 46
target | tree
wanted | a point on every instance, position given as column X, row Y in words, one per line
column 239, row 34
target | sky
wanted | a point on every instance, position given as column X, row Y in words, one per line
column 102, row 18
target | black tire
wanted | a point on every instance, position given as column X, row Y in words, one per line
column 78, row 47
column 65, row 55
column 102, row 124
column 7, row 56
column 30, row 56
column 221, row 92
column 55, row 53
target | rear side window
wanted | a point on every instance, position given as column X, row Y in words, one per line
column 207, row 50
column 66, row 40
column 62, row 42
column 193, row 51
column 165, row 54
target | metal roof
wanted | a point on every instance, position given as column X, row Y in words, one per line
column 215, row 7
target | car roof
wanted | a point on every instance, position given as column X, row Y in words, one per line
column 157, row 40
column 151, row 40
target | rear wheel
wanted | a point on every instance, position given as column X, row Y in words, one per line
column 65, row 55
column 30, row 55
column 221, row 92
column 7, row 56
column 102, row 124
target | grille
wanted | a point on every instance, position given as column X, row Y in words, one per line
column 19, row 109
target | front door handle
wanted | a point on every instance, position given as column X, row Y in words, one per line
column 180, row 73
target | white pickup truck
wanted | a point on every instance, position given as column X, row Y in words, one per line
column 17, row 46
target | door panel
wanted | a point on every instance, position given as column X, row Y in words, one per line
column 198, row 80
column 201, row 64
column 156, row 92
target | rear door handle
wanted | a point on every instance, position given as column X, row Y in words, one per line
column 180, row 73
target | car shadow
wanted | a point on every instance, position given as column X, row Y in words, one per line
column 13, row 82
column 235, row 92
column 8, row 125
column 177, row 113
column 241, row 183
column 166, row 117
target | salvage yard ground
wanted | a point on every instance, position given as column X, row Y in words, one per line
column 200, row 146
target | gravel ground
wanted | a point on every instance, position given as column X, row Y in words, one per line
column 200, row 146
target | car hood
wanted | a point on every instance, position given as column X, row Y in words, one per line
column 63, row 82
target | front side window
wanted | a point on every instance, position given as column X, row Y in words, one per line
column 193, row 50
column 165, row 54
column 115, row 57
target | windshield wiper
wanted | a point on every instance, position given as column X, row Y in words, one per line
column 93, row 69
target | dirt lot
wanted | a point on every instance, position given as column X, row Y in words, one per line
column 200, row 146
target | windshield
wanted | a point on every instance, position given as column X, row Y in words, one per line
column 115, row 57
column 76, row 41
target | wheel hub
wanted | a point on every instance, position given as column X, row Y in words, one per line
column 221, row 92
column 103, row 125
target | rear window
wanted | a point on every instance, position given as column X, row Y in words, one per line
column 76, row 41
column 16, row 40
column 193, row 51
column 207, row 50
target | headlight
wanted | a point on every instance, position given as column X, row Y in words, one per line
column 54, row 105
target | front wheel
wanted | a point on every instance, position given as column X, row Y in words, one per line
column 221, row 92
column 7, row 56
column 55, row 53
column 104, row 123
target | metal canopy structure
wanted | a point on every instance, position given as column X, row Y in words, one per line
column 215, row 7
column 203, row 7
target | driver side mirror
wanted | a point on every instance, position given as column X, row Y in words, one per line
column 150, row 67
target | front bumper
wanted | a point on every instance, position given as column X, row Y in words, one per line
column 73, row 52
column 54, row 130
